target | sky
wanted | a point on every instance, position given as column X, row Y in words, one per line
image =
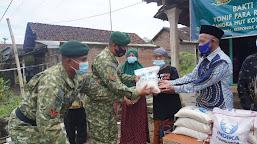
column 134, row 16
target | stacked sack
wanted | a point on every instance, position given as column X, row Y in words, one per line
column 253, row 133
column 194, row 122
column 232, row 126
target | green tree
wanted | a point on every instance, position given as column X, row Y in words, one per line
column 187, row 62
column 4, row 89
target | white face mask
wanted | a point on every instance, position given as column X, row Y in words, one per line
column 83, row 68
column 131, row 59
column 159, row 63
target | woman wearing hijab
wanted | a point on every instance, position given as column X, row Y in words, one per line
column 164, row 105
column 134, row 121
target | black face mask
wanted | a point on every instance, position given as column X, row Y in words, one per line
column 120, row 52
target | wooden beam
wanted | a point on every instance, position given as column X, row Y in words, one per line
column 16, row 59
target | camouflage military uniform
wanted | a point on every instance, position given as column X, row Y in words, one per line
column 48, row 96
column 100, row 111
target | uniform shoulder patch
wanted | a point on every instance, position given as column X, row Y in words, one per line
column 53, row 113
column 112, row 77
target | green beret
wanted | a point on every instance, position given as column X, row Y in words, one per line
column 74, row 48
column 120, row 38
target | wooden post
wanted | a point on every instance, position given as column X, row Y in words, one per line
column 16, row 59
column 23, row 70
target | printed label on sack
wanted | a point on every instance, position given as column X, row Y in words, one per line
column 227, row 130
column 200, row 109
column 147, row 76
column 231, row 126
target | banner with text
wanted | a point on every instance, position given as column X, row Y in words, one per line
column 234, row 17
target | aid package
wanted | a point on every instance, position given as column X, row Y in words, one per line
column 193, row 122
column 192, row 133
column 231, row 125
column 253, row 133
column 196, row 113
column 148, row 76
column 193, row 125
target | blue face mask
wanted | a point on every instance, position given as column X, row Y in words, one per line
column 159, row 63
column 83, row 68
column 131, row 59
column 120, row 52
column 205, row 49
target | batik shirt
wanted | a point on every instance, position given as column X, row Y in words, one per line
column 210, row 80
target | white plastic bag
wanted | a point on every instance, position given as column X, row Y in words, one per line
column 192, row 133
column 193, row 125
column 148, row 76
column 231, row 126
column 196, row 113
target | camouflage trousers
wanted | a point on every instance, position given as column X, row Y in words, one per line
column 101, row 123
column 25, row 133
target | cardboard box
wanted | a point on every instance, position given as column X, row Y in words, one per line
column 179, row 139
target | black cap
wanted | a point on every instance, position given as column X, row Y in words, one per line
column 212, row 30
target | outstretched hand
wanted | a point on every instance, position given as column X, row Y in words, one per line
column 137, row 78
column 168, row 90
column 165, row 87
column 164, row 84
column 143, row 91
column 154, row 92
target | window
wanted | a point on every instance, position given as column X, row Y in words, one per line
column 56, row 59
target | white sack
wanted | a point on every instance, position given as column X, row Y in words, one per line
column 193, row 125
column 253, row 137
column 148, row 76
column 196, row 113
column 231, row 126
column 192, row 133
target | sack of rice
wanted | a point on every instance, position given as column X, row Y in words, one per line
column 196, row 113
column 231, row 126
column 253, row 133
column 193, row 125
column 148, row 76
column 192, row 133
column 252, row 137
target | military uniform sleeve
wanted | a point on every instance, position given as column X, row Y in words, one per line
column 110, row 78
column 242, row 88
column 125, row 78
column 97, row 92
column 50, row 103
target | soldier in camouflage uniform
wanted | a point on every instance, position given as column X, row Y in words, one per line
column 107, row 73
column 49, row 95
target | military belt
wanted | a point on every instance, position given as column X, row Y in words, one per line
column 23, row 118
